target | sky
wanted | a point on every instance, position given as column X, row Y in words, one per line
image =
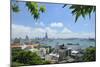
column 58, row 22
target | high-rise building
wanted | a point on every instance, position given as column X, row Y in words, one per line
column 16, row 40
column 27, row 38
column 46, row 35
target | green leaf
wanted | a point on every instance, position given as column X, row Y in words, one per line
column 64, row 5
column 15, row 8
column 77, row 16
column 81, row 10
column 35, row 9
column 42, row 8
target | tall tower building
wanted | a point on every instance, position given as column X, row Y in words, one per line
column 26, row 41
column 46, row 35
column 27, row 38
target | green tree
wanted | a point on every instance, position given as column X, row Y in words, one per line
column 81, row 10
column 26, row 57
column 15, row 7
column 90, row 54
column 47, row 62
column 16, row 64
column 33, row 7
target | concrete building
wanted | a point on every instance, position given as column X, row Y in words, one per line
column 52, row 57
column 42, row 53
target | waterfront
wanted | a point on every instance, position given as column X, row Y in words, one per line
column 83, row 43
column 52, row 51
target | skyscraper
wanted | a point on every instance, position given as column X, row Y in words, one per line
column 26, row 41
column 27, row 38
column 46, row 35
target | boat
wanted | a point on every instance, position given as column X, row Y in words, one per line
column 69, row 44
column 73, row 44
column 91, row 39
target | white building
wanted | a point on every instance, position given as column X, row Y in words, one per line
column 42, row 52
column 52, row 57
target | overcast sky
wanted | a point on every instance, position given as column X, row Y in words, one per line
column 58, row 22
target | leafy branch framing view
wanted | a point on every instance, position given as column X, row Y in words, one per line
column 36, row 10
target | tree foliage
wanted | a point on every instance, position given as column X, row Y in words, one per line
column 42, row 8
column 90, row 54
column 16, row 64
column 26, row 57
column 15, row 7
column 33, row 7
column 81, row 10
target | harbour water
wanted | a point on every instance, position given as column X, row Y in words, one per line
column 82, row 43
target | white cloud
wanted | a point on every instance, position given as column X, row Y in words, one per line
column 66, row 30
column 22, row 31
column 40, row 24
column 56, row 24
column 50, row 30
